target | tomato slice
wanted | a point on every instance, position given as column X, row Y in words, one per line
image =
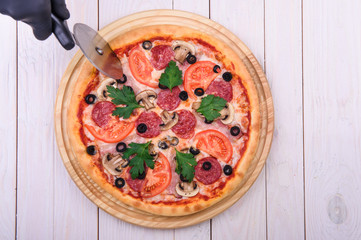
column 157, row 179
column 141, row 67
column 215, row 144
column 199, row 75
column 114, row 131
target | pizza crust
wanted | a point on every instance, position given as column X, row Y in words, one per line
column 230, row 60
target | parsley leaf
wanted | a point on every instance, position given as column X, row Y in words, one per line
column 141, row 155
column 124, row 96
column 185, row 165
column 210, row 107
column 172, row 76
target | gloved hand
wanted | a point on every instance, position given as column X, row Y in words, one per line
column 36, row 13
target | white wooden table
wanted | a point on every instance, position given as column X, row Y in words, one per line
column 311, row 185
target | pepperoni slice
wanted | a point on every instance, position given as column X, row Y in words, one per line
column 160, row 56
column 186, row 124
column 221, row 88
column 152, row 120
column 211, row 175
column 135, row 184
column 169, row 100
column 101, row 113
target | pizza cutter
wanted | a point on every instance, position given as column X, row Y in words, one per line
column 93, row 46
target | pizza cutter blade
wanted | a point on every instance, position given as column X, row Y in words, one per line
column 97, row 51
column 94, row 47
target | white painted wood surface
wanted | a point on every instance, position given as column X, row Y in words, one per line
column 283, row 54
column 8, row 145
column 332, row 123
column 311, row 186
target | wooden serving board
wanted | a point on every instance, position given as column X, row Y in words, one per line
column 103, row 199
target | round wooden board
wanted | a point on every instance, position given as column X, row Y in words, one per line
column 103, row 199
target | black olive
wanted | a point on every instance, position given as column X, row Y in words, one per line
column 208, row 121
column 122, row 80
column 162, row 145
column 217, row 69
column 161, row 86
column 227, row 76
column 141, row 176
column 109, row 157
column 199, row 92
column 194, row 151
column 147, row 45
column 235, row 130
column 207, row 165
column 227, row 170
column 142, row 128
column 182, row 178
column 191, row 59
column 121, row 147
column 90, row 98
column 119, row 182
column 91, row 150
column 183, row 95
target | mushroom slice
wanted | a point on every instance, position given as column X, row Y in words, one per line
column 114, row 164
column 146, row 98
column 186, row 189
column 169, row 120
column 196, row 105
column 152, row 151
column 102, row 91
column 227, row 114
column 182, row 49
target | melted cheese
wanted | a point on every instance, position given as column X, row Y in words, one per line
column 168, row 194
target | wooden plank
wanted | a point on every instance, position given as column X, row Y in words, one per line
column 75, row 216
column 332, row 107
column 247, row 218
column 283, row 48
column 110, row 227
column 8, row 128
column 200, row 231
column 49, row 204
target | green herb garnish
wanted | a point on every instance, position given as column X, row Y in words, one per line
column 141, row 155
column 185, row 165
column 123, row 96
column 172, row 76
column 210, row 107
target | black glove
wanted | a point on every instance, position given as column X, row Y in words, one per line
column 36, row 13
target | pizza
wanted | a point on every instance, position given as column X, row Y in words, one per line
column 178, row 132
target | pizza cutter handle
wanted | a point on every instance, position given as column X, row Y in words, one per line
column 62, row 32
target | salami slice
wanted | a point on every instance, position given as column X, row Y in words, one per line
column 152, row 121
column 186, row 124
column 169, row 100
column 160, row 56
column 221, row 88
column 135, row 184
column 101, row 113
column 211, row 175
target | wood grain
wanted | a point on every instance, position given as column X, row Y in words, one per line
column 74, row 215
column 248, row 216
column 8, row 120
column 110, row 227
column 200, row 231
column 283, row 38
column 49, row 205
column 109, row 203
column 332, row 108
column 36, row 89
